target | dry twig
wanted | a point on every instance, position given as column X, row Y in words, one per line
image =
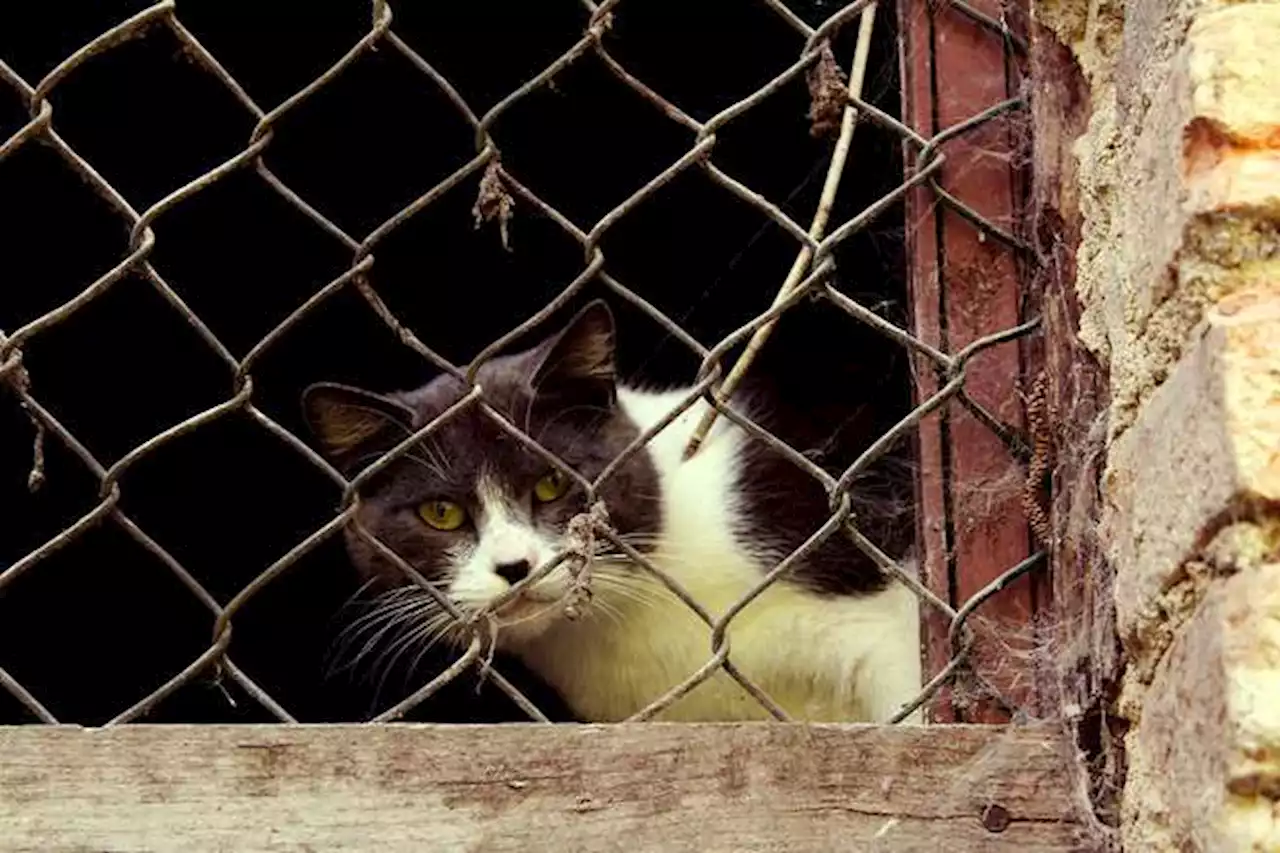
column 817, row 227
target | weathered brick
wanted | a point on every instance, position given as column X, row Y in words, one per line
column 1179, row 275
column 1231, row 145
column 1204, row 757
column 1201, row 151
column 1205, row 448
column 1234, row 72
column 1187, row 154
column 1220, row 58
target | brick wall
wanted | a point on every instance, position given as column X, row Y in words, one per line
column 1174, row 189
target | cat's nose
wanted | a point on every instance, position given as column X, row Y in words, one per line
column 513, row 572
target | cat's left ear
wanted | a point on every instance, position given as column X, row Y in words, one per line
column 578, row 364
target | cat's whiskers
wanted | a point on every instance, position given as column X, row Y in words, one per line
column 414, row 635
column 391, row 633
column 337, row 652
column 383, row 612
column 658, row 555
column 357, row 596
column 640, row 541
column 619, row 602
column 386, row 610
column 602, row 607
column 641, row 591
column 414, row 630
column 632, row 598
column 501, row 625
column 394, row 612
column 431, row 640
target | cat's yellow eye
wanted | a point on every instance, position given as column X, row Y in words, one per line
column 552, row 485
column 442, row 515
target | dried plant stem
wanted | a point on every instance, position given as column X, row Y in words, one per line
column 817, row 228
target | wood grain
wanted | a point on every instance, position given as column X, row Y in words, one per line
column 924, row 261
column 964, row 287
column 735, row 787
column 1080, row 676
column 982, row 295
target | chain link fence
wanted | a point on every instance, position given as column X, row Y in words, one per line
column 837, row 107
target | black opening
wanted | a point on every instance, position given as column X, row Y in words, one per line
column 98, row 625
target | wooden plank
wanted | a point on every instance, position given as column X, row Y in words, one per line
column 966, row 287
column 1083, row 672
column 915, row 24
column 982, row 293
column 733, row 787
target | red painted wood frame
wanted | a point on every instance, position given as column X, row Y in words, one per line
column 965, row 285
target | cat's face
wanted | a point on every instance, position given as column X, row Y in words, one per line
column 470, row 507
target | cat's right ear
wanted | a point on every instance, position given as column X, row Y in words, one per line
column 578, row 365
column 352, row 423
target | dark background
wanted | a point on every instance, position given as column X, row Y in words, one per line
column 97, row 626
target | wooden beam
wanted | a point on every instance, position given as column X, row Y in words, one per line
column 1082, row 596
column 965, row 286
column 733, row 787
column 924, row 262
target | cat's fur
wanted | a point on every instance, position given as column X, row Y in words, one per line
column 834, row 640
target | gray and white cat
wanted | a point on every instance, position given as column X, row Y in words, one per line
column 475, row 512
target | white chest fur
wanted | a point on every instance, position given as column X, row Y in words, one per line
column 822, row 658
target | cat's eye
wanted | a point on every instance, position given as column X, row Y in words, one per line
column 552, row 485
column 442, row 515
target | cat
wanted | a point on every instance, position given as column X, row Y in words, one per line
column 475, row 511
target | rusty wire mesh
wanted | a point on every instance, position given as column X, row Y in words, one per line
column 497, row 188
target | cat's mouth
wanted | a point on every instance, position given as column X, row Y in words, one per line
column 537, row 604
